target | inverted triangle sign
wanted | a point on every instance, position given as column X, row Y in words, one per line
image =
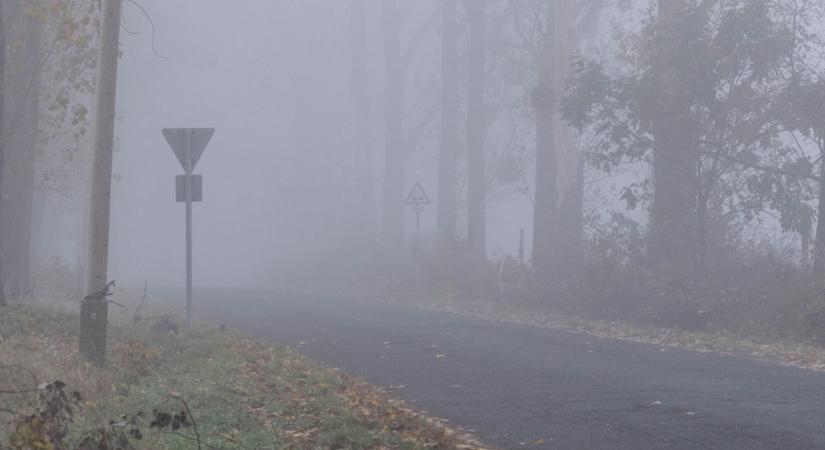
column 176, row 137
column 417, row 196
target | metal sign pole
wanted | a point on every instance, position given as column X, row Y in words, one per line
column 417, row 199
column 418, row 250
column 188, row 145
column 188, row 193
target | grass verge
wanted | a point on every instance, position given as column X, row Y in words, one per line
column 242, row 393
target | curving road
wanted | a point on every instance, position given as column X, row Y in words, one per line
column 526, row 387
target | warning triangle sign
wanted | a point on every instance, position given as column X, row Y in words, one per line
column 176, row 137
column 417, row 196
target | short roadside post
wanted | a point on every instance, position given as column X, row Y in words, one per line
column 188, row 145
column 418, row 200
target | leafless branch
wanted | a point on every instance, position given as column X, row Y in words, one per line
column 151, row 23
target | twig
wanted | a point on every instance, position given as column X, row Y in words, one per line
column 23, row 391
column 175, row 433
column 162, row 316
column 14, row 413
column 191, row 417
column 101, row 294
column 22, row 369
column 151, row 22
column 30, row 291
column 118, row 304
column 137, row 317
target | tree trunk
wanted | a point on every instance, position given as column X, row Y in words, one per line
column 476, row 123
column 448, row 158
column 394, row 162
column 673, row 230
column 545, row 215
column 360, row 100
column 570, row 176
column 94, row 309
column 20, row 141
column 805, row 249
column 819, row 240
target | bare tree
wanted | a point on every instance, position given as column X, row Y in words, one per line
column 570, row 176
column 545, row 220
column 361, row 106
column 476, row 124
column 395, row 162
column 20, row 140
column 448, row 158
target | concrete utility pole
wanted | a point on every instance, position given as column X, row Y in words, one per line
column 94, row 310
column 2, row 127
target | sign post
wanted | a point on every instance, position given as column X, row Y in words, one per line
column 418, row 200
column 188, row 145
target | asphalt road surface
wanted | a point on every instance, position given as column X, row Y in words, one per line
column 526, row 387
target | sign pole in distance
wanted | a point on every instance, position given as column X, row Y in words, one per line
column 188, row 145
column 418, row 200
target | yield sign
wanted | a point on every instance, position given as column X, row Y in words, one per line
column 176, row 137
column 417, row 196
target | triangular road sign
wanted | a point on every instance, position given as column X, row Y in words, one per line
column 417, row 196
column 176, row 137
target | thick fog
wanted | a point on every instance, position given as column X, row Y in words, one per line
column 552, row 223
column 599, row 155
column 274, row 79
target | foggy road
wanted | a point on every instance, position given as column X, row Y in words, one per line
column 520, row 386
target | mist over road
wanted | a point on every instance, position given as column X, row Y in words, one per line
column 520, row 386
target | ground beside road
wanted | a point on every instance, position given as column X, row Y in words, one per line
column 243, row 394
column 522, row 386
column 790, row 352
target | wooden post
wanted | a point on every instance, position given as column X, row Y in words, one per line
column 94, row 309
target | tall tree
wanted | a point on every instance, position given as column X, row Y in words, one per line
column 394, row 157
column 673, row 227
column 476, row 124
column 701, row 102
column 20, row 141
column 361, row 111
column 545, row 217
column 570, row 177
column 549, row 33
column 448, row 158
column 818, row 267
column 806, row 96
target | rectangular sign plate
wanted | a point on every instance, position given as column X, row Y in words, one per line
column 197, row 188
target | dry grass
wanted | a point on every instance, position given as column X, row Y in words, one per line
column 244, row 394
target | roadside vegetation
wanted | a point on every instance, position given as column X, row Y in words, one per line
column 169, row 388
column 683, row 186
